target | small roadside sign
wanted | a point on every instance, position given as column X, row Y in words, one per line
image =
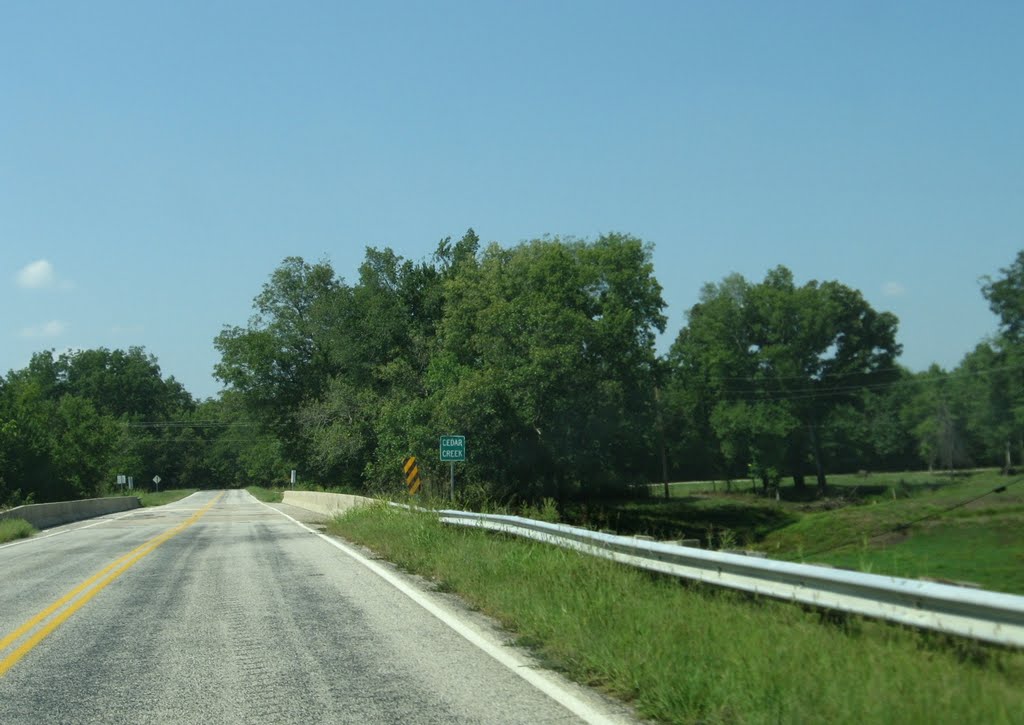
column 453, row 448
column 156, row 480
column 412, row 474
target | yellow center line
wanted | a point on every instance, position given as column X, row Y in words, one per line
column 107, row 574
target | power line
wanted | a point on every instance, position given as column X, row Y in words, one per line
column 753, row 395
column 897, row 368
column 210, row 441
column 804, row 377
column 188, row 424
column 925, row 376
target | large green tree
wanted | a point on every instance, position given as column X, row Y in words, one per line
column 281, row 358
column 1005, row 296
column 323, row 364
column 69, row 422
column 56, row 448
column 373, row 413
column 546, row 362
column 120, row 383
column 774, row 363
column 1003, row 411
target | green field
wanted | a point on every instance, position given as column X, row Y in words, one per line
column 686, row 654
column 941, row 526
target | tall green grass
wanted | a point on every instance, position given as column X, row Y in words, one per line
column 159, row 498
column 11, row 529
column 686, row 654
column 269, row 495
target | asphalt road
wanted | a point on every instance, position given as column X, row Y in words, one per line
column 219, row 609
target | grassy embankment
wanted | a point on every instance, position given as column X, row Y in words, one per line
column 683, row 653
column 905, row 524
column 11, row 529
column 159, row 498
column 268, row 495
column 275, row 494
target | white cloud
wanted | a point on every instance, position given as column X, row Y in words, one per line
column 53, row 328
column 893, row 289
column 41, row 275
column 37, row 275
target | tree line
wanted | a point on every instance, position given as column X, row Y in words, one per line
column 543, row 355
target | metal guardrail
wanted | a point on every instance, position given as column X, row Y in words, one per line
column 974, row 613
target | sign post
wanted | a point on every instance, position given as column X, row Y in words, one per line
column 156, row 480
column 452, row 449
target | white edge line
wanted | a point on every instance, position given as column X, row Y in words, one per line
column 107, row 518
column 30, row 539
column 538, row 678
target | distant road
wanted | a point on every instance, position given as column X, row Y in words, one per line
column 219, row 609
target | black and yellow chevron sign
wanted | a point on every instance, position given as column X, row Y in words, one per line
column 412, row 474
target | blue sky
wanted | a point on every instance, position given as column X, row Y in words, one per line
column 158, row 160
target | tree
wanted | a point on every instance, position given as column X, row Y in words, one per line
column 81, row 441
column 1006, row 298
column 547, row 355
column 235, row 451
column 56, row 449
column 939, row 419
column 372, row 414
column 340, row 428
column 282, row 357
column 874, row 434
column 8, row 450
column 775, row 362
column 321, row 363
column 121, row 383
column 1005, row 409
column 74, row 415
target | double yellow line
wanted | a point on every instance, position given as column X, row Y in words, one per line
column 42, row 624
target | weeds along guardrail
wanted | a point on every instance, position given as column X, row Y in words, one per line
column 973, row 613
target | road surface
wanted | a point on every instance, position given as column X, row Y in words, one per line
column 220, row 609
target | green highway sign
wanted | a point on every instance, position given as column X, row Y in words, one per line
column 453, row 448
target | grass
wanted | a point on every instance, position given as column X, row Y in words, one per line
column 917, row 527
column 904, row 524
column 706, row 518
column 11, row 529
column 159, row 498
column 686, row 654
column 990, row 556
column 268, row 495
